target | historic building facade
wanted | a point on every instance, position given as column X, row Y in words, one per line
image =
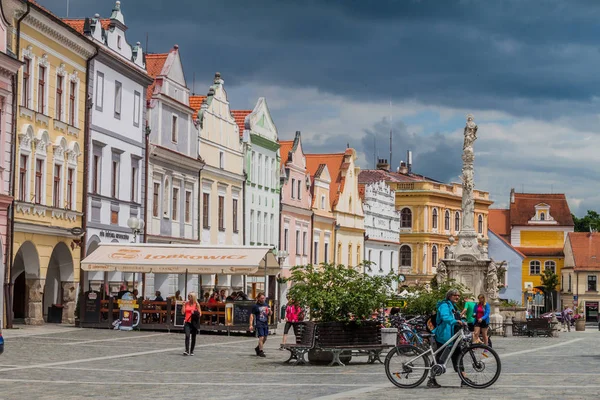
column 9, row 66
column 430, row 213
column 537, row 225
column 116, row 153
column 296, row 202
column 222, row 179
column 501, row 250
column 323, row 220
column 348, row 235
column 49, row 162
column 174, row 166
column 261, row 166
column 382, row 227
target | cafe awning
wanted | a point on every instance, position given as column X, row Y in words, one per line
column 181, row 258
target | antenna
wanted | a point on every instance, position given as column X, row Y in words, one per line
column 391, row 133
column 67, row 8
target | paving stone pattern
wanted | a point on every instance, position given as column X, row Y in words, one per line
column 56, row 362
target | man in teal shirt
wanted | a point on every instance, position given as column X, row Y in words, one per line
column 469, row 311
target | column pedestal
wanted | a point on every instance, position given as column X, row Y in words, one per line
column 68, row 301
column 35, row 294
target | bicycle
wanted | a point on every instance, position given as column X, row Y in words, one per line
column 407, row 361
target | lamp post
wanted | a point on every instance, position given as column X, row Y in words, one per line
column 136, row 225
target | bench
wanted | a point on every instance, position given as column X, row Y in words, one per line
column 362, row 338
column 538, row 327
column 305, row 341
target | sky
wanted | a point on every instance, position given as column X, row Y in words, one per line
column 349, row 72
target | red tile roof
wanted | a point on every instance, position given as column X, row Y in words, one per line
column 154, row 66
column 314, row 169
column 335, row 164
column 541, row 251
column 586, row 250
column 523, row 208
column 240, row 118
column 284, row 150
column 499, row 222
column 78, row 24
column 196, row 103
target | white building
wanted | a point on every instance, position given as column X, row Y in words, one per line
column 117, row 146
column 382, row 229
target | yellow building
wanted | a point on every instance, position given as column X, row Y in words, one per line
column 323, row 221
column 430, row 213
column 537, row 225
column 49, row 163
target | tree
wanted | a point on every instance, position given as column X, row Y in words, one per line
column 549, row 283
column 590, row 222
column 423, row 301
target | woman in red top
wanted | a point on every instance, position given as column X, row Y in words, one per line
column 292, row 313
column 189, row 308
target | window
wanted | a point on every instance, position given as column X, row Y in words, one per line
column 252, row 233
column 59, row 97
column 299, row 189
column 26, row 82
column 480, row 224
column 434, row 256
column 349, row 255
column 542, row 217
column 322, row 202
column 175, row 204
column 316, row 253
column 165, row 199
column 265, row 231
column 41, row 89
column 97, row 167
column 155, row 199
column 272, row 225
column 70, row 187
column 447, row 220
column 304, row 244
column 569, row 282
column 134, row 182
column 39, row 180
column 446, row 252
column 221, row 160
column 119, row 41
column 591, row 283
column 114, row 217
column 99, row 91
column 406, row 218
column 188, row 206
column 261, row 172
column 405, row 256
column 136, row 108
column 72, row 118
column 56, row 187
column 550, row 266
column 235, row 215
column 457, row 221
column 286, row 239
column 114, row 188
column 258, row 230
column 326, row 252
column 23, row 178
column 118, row 98
column 221, row 213
column 293, row 187
column 392, row 261
column 205, row 210
column 434, row 219
column 534, row 267
column 174, row 128
column 297, row 243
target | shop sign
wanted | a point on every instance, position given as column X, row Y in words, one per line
column 114, row 235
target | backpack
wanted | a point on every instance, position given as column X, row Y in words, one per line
column 431, row 322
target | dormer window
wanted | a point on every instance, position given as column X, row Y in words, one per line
column 542, row 216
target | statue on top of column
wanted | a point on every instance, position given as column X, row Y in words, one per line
column 468, row 157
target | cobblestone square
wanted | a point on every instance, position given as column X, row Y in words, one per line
column 56, row 362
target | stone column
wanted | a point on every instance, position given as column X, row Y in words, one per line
column 68, row 302
column 35, row 294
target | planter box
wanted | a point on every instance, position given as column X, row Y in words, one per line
column 580, row 325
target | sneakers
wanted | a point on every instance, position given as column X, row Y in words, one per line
column 261, row 354
column 432, row 384
column 257, row 350
column 191, row 354
column 185, row 353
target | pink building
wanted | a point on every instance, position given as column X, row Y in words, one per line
column 9, row 66
column 296, row 202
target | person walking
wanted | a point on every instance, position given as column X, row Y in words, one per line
column 446, row 322
column 191, row 323
column 482, row 320
column 260, row 316
column 292, row 311
column 566, row 317
column 468, row 312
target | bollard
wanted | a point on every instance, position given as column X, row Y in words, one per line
column 508, row 327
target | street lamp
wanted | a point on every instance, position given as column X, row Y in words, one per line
column 136, row 225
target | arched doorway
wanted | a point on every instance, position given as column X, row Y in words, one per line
column 27, row 288
column 59, row 287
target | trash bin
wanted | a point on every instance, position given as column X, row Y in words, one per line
column 55, row 314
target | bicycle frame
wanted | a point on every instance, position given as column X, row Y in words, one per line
column 458, row 335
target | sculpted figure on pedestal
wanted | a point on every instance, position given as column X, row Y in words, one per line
column 442, row 272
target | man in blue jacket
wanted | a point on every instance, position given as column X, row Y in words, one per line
column 446, row 322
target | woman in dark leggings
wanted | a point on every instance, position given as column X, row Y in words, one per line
column 191, row 323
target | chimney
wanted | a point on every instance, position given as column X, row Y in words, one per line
column 403, row 168
column 383, row 164
column 409, row 161
column 512, row 195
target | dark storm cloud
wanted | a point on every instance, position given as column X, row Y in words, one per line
column 523, row 57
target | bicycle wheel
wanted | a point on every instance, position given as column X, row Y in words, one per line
column 406, row 366
column 479, row 366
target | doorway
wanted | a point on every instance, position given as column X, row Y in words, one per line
column 19, row 298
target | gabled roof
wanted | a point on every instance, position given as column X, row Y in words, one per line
column 285, row 146
column 196, row 103
column 499, row 221
column 523, row 208
column 586, row 250
column 335, row 163
column 154, row 66
column 240, row 118
column 315, row 169
column 542, row 251
column 78, row 24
